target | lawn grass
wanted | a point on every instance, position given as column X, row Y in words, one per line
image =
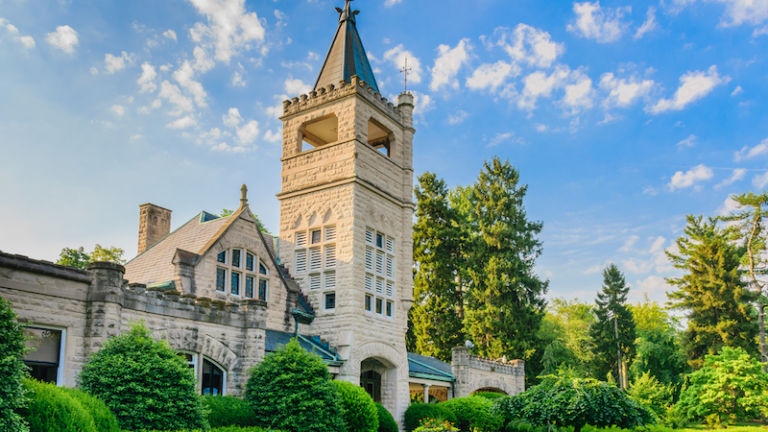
column 739, row 427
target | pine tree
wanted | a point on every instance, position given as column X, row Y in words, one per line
column 718, row 303
column 613, row 332
column 436, row 317
column 505, row 304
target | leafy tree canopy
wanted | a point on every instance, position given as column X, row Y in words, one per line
column 78, row 258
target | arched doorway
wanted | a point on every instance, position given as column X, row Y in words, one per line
column 371, row 381
column 377, row 378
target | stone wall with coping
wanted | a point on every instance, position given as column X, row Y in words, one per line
column 474, row 373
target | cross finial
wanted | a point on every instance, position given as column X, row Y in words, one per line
column 405, row 71
column 243, row 196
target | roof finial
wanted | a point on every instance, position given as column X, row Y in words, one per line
column 243, row 196
column 405, row 71
column 347, row 13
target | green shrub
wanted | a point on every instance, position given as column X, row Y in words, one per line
column 227, row 429
column 432, row 425
column 474, row 413
column 568, row 401
column 145, row 383
column 291, row 390
column 104, row 419
column 652, row 394
column 490, row 395
column 228, row 411
column 522, row 426
column 419, row 411
column 53, row 409
column 12, row 370
column 387, row 423
column 357, row 407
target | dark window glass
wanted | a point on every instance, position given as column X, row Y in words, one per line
column 222, row 258
column 330, row 301
column 43, row 356
column 236, row 257
column 368, row 303
column 263, row 289
column 221, row 279
column 262, row 269
column 389, row 308
column 249, row 286
column 249, row 262
column 379, row 240
column 315, row 237
column 379, row 306
column 235, row 283
column 213, row 379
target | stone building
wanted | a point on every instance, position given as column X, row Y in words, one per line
column 338, row 277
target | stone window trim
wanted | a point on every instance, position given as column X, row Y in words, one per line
column 62, row 348
column 256, row 273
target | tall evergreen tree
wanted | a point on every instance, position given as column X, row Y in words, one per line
column 505, row 303
column 717, row 301
column 436, row 317
column 613, row 332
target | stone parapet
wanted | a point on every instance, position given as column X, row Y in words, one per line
column 475, row 373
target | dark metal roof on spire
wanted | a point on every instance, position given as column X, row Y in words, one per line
column 346, row 57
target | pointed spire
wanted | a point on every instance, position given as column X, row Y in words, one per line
column 346, row 57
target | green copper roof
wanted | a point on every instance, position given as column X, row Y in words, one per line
column 346, row 57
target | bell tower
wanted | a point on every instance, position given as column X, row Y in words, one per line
column 346, row 214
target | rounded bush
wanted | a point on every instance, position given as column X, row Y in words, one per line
column 490, row 395
column 145, row 383
column 291, row 390
column 387, row 423
column 103, row 418
column 12, row 370
column 420, row 411
column 53, row 409
column 228, row 411
column 474, row 413
column 357, row 407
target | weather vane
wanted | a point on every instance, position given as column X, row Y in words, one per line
column 405, row 71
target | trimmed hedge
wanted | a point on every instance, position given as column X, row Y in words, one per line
column 228, row 411
column 54, row 409
column 387, row 423
column 419, row 411
column 104, row 419
column 12, row 370
column 474, row 413
column 226, row 429
column 357, row 407
column 490, row 395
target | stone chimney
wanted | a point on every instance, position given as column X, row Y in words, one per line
column 154, row 224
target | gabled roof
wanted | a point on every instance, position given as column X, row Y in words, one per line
column 346, row 57
column 420, row 366
column 275, row 339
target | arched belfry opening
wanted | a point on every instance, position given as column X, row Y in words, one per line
column 319, row 132
column 379, row 137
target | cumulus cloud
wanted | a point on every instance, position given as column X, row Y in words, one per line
column 232, row 118
column 697, row 174
column 397, row 56
column 248, row 133
column 117, row 110
column 492, row 75
column 748, row 152
column 230, row 29
column 449, row 61
column 602, row 25
column 113, row 63
column 237, row 80
column 27, row 41
column 203, row 62
column 273, row 136
column 623, row 92
column 296, row 87
column 185, row 75
column 458, row 117
column 649, row 25
column 737, row 175
column 64, row 38
column 693, row 86
column 170, row 34
column 652, row 284
column 529, row 45
column 147, row 79
column 172, row 94
column 579, row 94
column 760, row 181
column 182, row 123
column 540, row 84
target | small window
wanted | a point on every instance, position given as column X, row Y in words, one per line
column 301, row 261
column 369, row 259
column 390, row 245
column 379, row 262
column 43, row 357
column 213, row 379
column 330, row 233
column 368, row 302
column 379, row 306
column 315, row 259
column 235, row 289
column 390, row 289
column 379, row 285
column 314, row 281
column 390, row 267
column 330, row 256
column 330, row 300
column 379, row 240
column 315, row 237
column 263, row 268
column 389, row 309
column 330, row 280
column 301, row 239
column 222, row 258
column 236, row 257
column 369, row 282
column 263, row 288
column 221, row 279
column 249, row 286
column 369, row 236
column 249, row 262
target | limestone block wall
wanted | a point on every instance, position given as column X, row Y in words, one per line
column 474, row 373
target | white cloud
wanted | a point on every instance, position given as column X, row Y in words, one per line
column 203, row 63
column 760, row 32
column 737, row 91
column 760, row 181
column 579, row 95
column 390, row 3
column 748, row 152
column 600, row 24
column 114, row 63
column 172, row 94
column 652, row 284
column 693, row 86
column 64, row 38
column 539, row 84
column 738, row 12
column 738, row 174
column 649, row 25
column 422, row 103
column 729, row 206
column 147, row 79
column 657, row 245
column 273, row 136
column 697, row 174
column 118, row 110
column 185, row 75
column 529, row 45
column 232, row 118
column 492, row 75
column 449, row 61
column 237, row 80
column 629, row 243
column 397, row 56
column 295, row 87
column 248, row 133
column 505, row 137
column 230, row 28
column 182, row 123
column 688, row 142
column 170, row 34
column 458, row 117
column 27, row 41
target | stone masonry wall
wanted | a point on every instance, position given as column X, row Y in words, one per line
column 474, row 373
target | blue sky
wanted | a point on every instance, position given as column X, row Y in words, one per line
column 621, row 116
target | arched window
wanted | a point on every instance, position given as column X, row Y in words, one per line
column 214, row 379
